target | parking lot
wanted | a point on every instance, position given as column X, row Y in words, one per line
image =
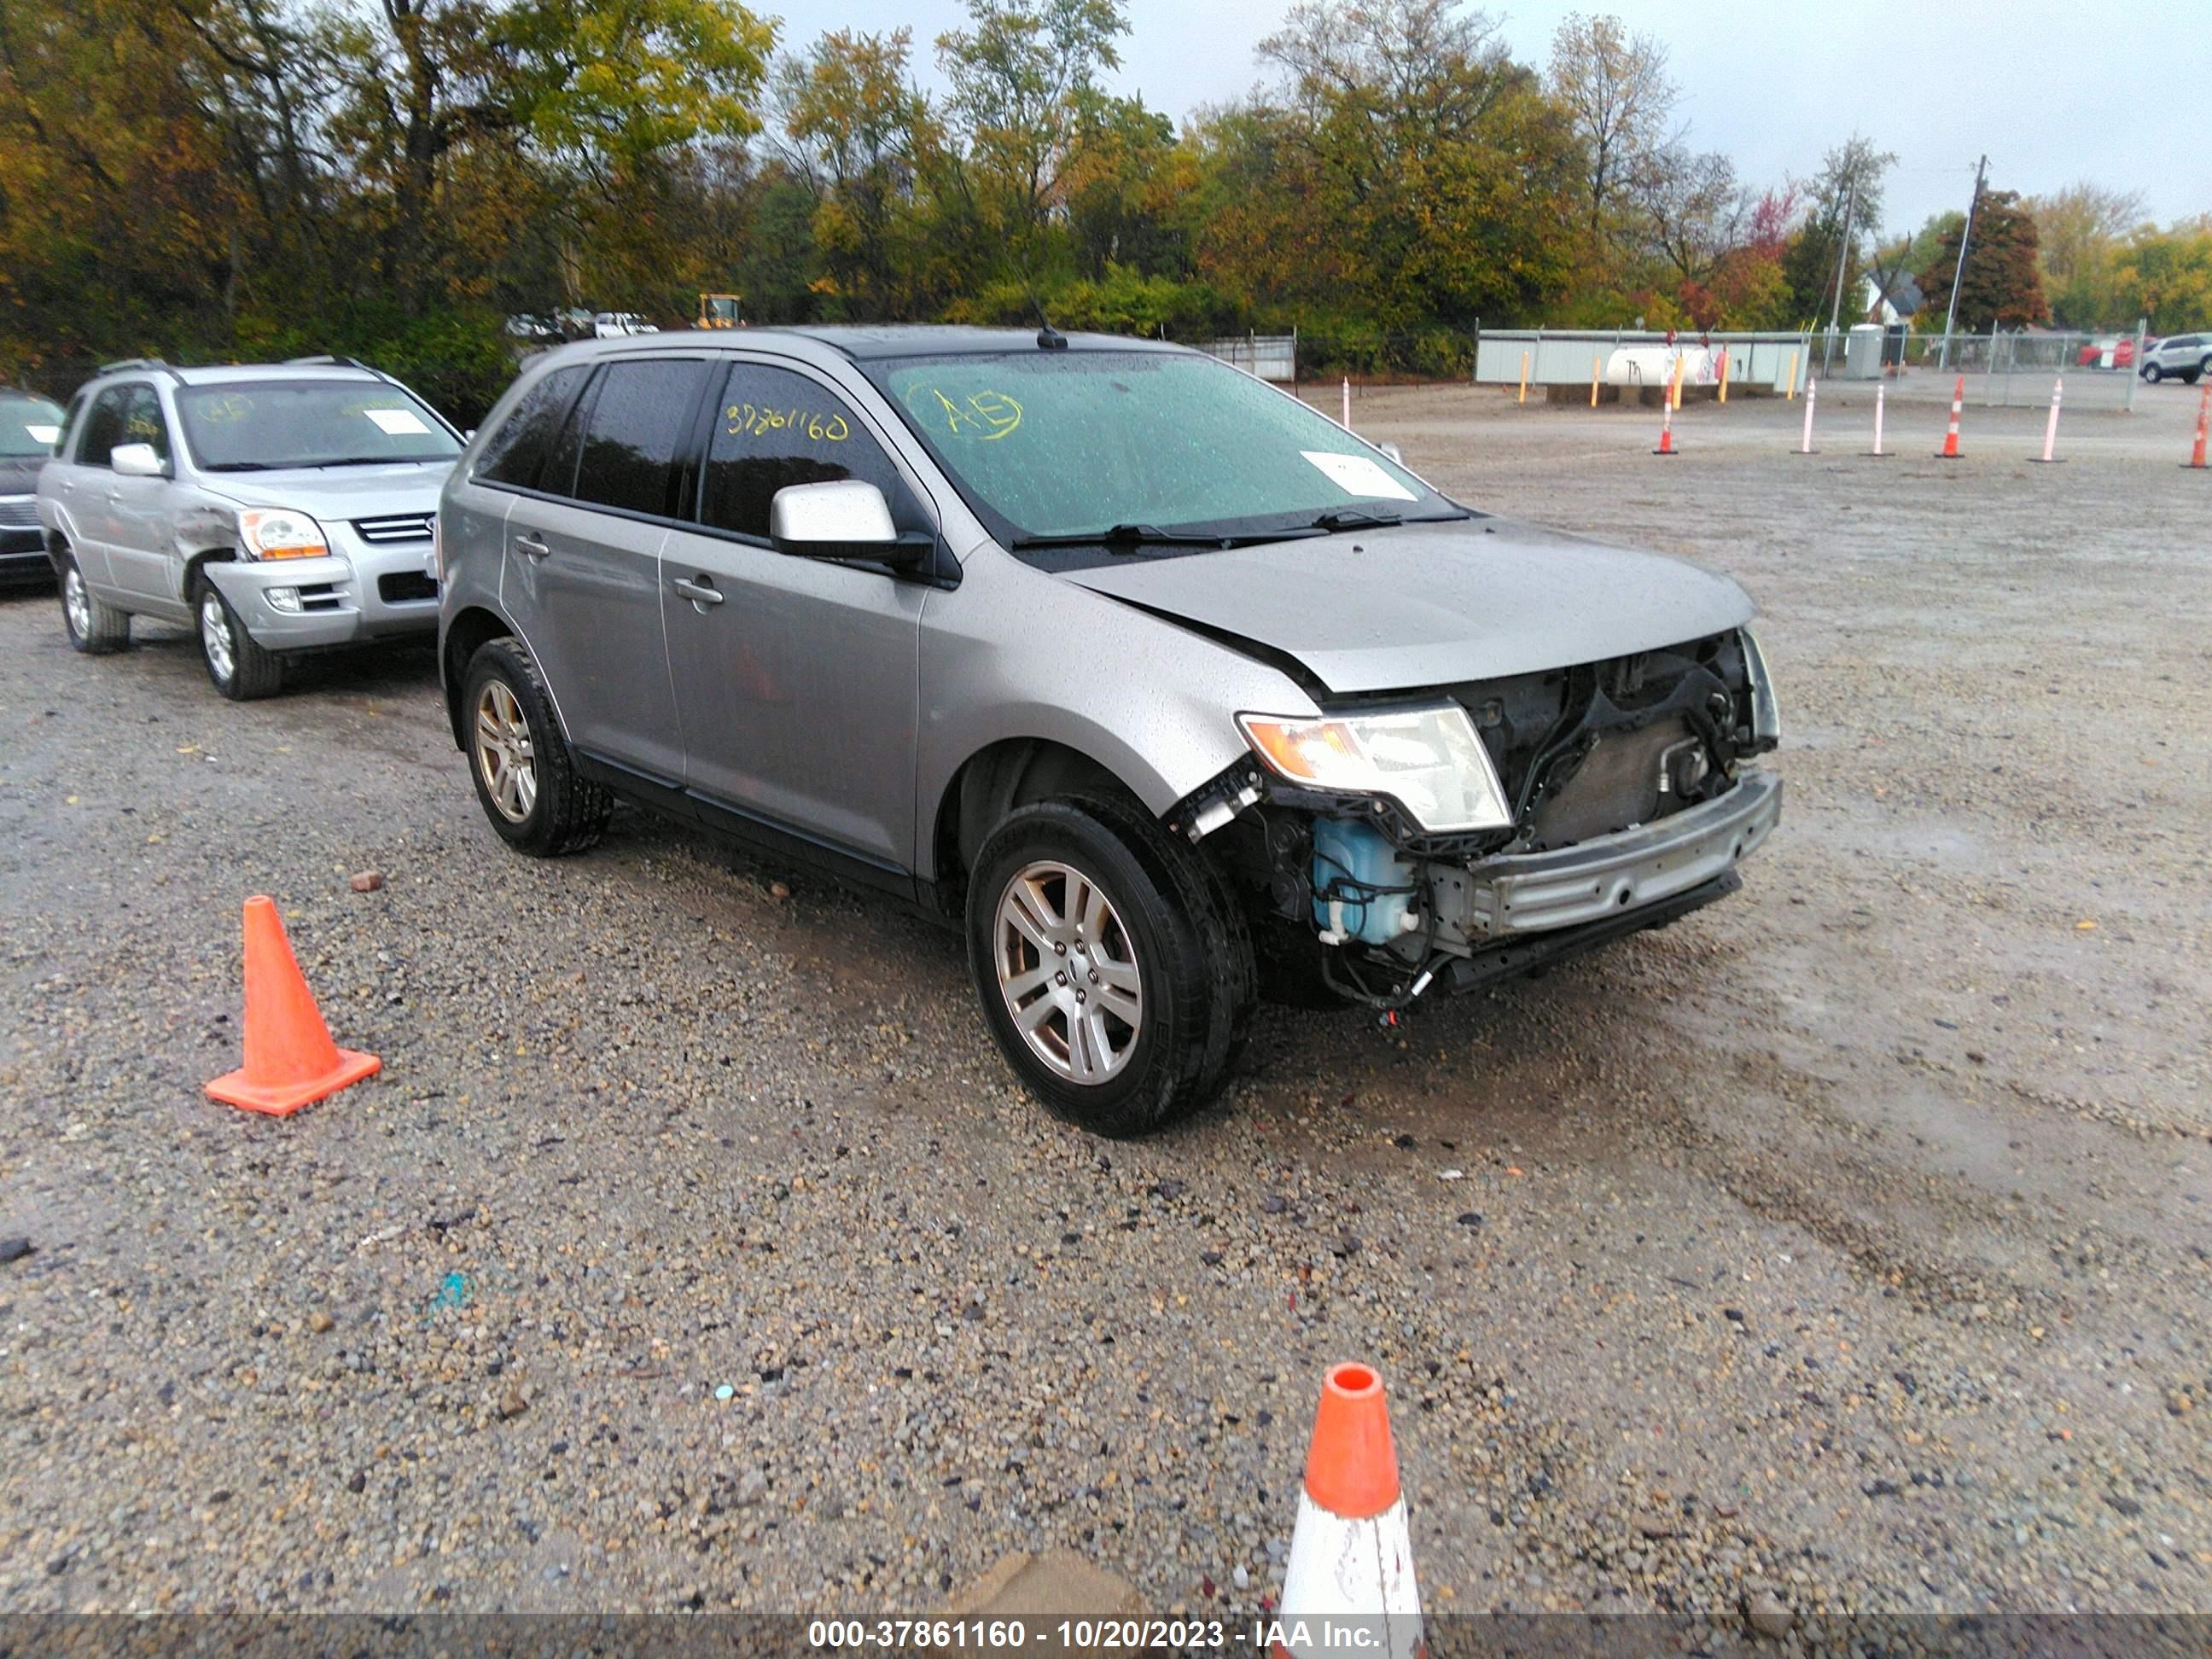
column 1845, row 1241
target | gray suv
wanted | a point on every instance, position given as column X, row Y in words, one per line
column 2183, row 356
column 273, row 508
column 1167, row 690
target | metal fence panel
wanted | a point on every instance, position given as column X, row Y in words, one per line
column 1269, row 356
column 1569, row 356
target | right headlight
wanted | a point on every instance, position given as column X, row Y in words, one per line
column 1766, row 712
column 1428, row 760
column 279, row 532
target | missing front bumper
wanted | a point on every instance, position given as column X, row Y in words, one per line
column 1616, row 876
column 1538, row 951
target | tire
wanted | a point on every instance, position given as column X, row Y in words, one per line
column 241, row 670
column 1168, row 944
column 2153, row 372
column 94, row 626
column 526, row 780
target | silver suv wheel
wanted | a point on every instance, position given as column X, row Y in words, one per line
column 505, row 756
column 1068, row 972
column 76, row 602
column 215, row 636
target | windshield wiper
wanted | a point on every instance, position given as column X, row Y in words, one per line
column 1354, row 517
column 1124, row 535
column 241, row 466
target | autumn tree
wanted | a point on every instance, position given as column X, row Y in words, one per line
column 1615, row 86
column 2002, row 287
column 2079, row 230
column 1844, row 202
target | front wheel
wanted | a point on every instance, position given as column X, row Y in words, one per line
column 237, row 667
column 2153, row 373
column 93, row 628
column 526, row 781
column 1115, row 973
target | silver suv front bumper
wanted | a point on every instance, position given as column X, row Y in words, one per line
column 340, row 595
column 1612, row 875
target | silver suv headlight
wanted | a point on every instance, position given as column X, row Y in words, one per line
column 1428, row 760
column 1766, row 712
column 280, row 532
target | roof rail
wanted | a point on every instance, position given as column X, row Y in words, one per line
column 121, row 364
column 330, row 358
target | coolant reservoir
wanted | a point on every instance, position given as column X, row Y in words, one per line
column 1354, row 871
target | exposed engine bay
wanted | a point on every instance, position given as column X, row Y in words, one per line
column 1631, row 802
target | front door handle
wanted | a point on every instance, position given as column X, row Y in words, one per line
column 532, row 546
column 698, row 593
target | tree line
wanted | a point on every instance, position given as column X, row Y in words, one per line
column 219, row 179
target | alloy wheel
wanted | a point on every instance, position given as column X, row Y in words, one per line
column 77, row 604
column 215, row 636
column 506, row 758
column 1067, row 970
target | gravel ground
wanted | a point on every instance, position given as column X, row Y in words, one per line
column 1843, row 1245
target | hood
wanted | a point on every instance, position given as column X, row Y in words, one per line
column 338, row 492
column 19, row 476
column 1432, row 604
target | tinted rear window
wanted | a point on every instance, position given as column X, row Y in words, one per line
column 641, row 415
column 514, row 453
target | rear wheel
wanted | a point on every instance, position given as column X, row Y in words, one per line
column 93, row 628
column 239, row 668
column 526, row 781
column 1114, row 973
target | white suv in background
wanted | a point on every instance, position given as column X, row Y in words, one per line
column 2184, row 356
column 273, row 508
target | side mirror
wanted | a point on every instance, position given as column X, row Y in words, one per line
column 136, row 461
column 1394, row 452
column 845, row 518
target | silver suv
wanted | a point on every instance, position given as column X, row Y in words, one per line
column 2184, row 356
column 1166, row 689
column 275, row 507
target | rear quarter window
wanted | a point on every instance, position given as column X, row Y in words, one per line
column 514, row 452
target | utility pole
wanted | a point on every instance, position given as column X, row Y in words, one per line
column 1843, row 265
column 1959, row 272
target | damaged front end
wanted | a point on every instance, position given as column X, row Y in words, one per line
column 1494, row 827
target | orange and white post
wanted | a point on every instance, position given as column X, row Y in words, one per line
column 2051, row 427
column 1524, row 377
column 1878, row 402
column 1724, row 373
column 1349, row 1587
column 1593, row 374
column 1950, row 450
column 1812, row 398
column 2195, row 462
column 1789, row 387
column 1346, row 422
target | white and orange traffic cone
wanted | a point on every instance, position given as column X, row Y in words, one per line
column 2195, row 463
column 1878, row 451
column 2049, row 455
column 1812, row 402
column 1350, row 1582
column 1666, row 426
column 1950, row 450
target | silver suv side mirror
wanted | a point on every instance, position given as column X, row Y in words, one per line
column 136, row 461
column 845, row 518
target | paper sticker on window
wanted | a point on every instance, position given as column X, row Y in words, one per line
column 399, row 422
column 1358, row 475
column 44, row 434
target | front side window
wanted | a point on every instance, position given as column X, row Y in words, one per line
column 258, row 426
column 29, row 427
column 514, row 453
column 641, row 413
column 142, row 422
column 774, row 428
column 103, row 427
column 1061, row 443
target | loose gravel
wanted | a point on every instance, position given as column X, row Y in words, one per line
column 1840, row 1249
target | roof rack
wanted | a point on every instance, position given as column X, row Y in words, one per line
column 330, row 358
column 122, row 364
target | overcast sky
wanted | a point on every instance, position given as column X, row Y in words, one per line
column 2054, row 90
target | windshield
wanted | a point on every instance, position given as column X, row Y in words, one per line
column 28, row 427
column 1057, row 444
column 256, row 425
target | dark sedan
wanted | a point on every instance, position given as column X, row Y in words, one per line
column 28, row 425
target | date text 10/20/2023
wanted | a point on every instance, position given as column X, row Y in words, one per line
column 1303, row 1635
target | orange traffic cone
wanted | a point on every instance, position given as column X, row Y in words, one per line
column 289, row 1057
column 1667, row 426
column 1950, row 450
column 2204, row 424
column 1351, row 1555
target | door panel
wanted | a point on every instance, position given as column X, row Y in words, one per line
column 799, row 688
column 585, row 589
column 141, row 562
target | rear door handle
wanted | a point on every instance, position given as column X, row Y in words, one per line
column 532, row 546
column 698, row 593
